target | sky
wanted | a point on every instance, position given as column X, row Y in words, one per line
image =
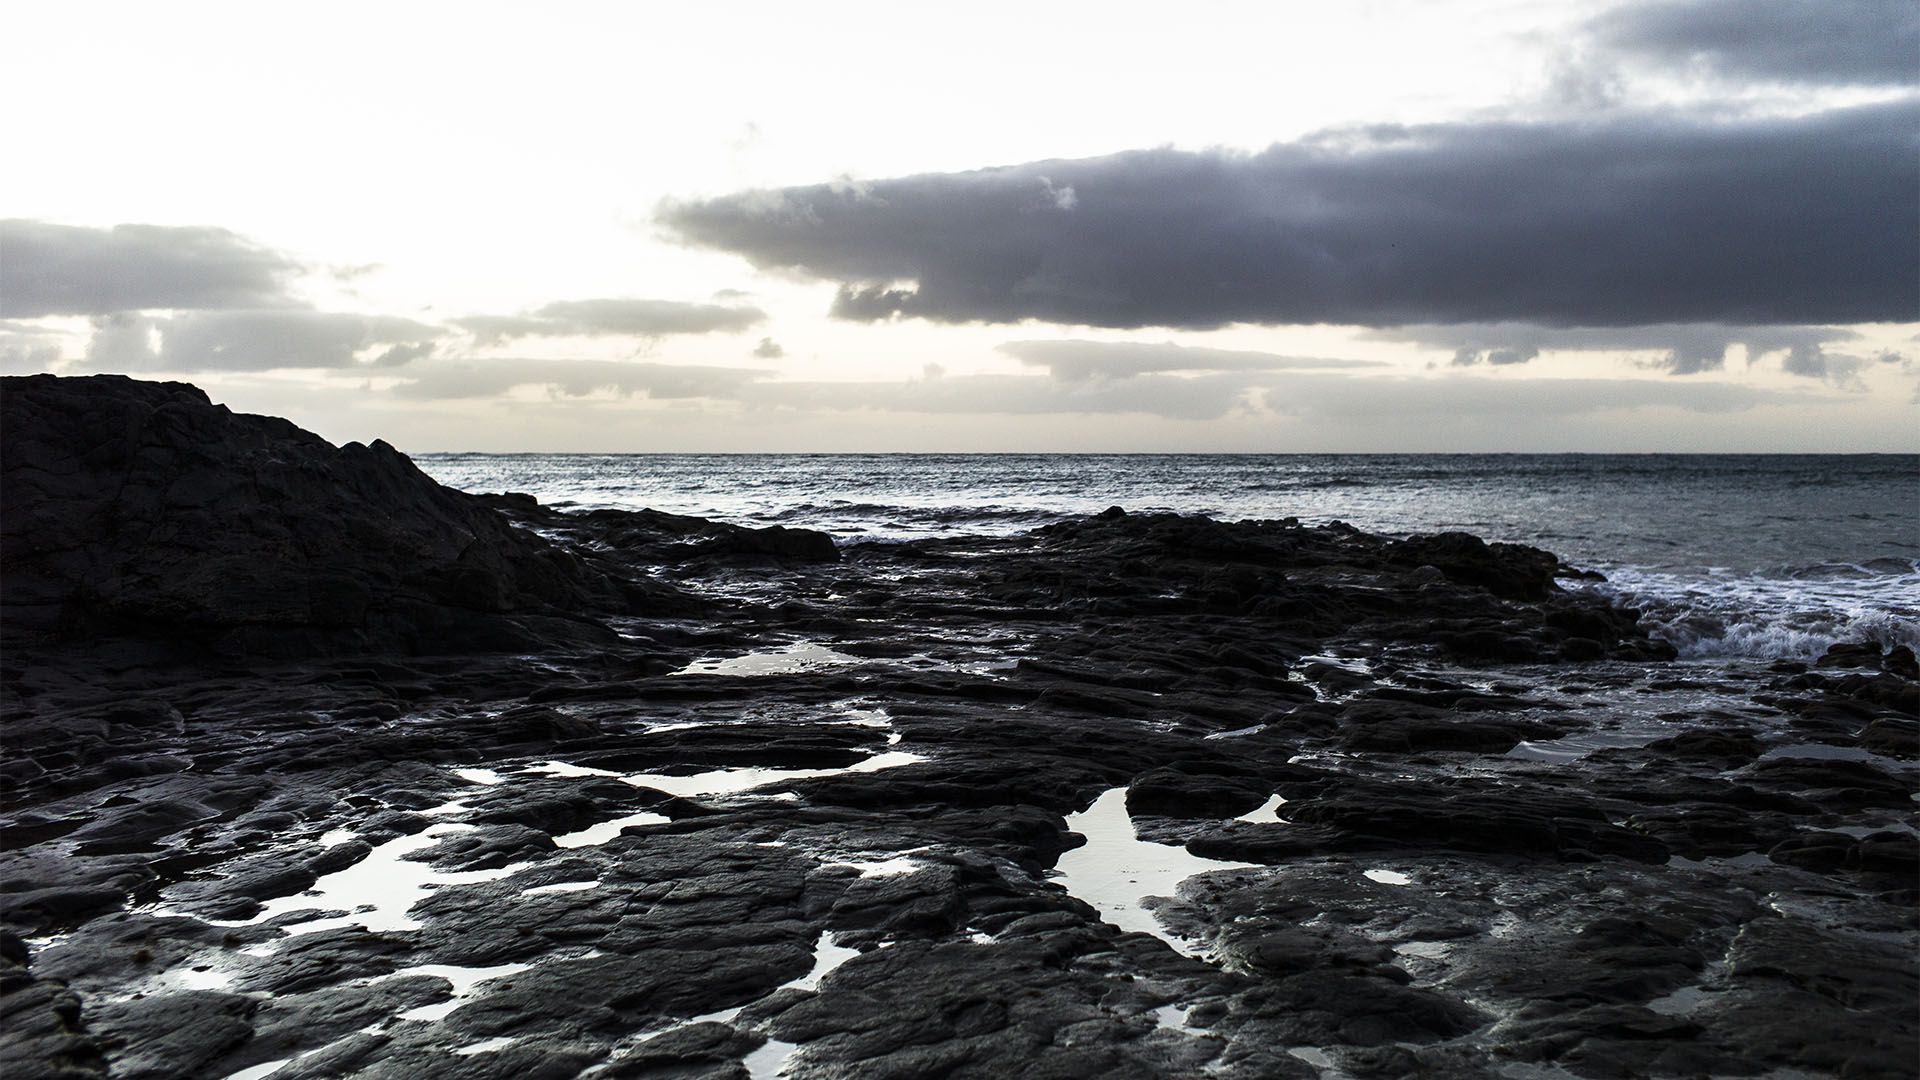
column 1377, row 225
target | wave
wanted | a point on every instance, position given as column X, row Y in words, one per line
column 1792, row 613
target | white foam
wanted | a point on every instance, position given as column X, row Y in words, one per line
column 1794, row 613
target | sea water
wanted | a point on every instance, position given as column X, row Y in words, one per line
column 1736, row 555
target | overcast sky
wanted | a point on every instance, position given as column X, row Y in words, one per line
column 1265, row 226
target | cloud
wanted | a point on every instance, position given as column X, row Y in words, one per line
column 1200, row 398
column 48, row 270
column 26, row 349
column 255, row 341
column 1079, row 361
column 599, row 318
column 1369, row 401
column 576, row 378
column 769, row 349
column 1347, row 399
column 1089, row 378
column 1640, row 219
column 1838, row 369
column 1679, row 349
column 1174, row 397
column 1829, row 42
column 1496, row 357
column 1193, row 398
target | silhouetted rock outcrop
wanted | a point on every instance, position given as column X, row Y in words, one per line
column 142, row 509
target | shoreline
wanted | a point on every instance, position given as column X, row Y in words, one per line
column 1721, row 883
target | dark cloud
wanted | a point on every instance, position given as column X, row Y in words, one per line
column 1837, row 368
column 769, row 349
column 1079, row 361
column 1832, row 42
column 576, row 378
column 48, row 270
column 1496, row 357
column 255, row 341
column 1679, row 349
column 1636, row 220
column 599, row 318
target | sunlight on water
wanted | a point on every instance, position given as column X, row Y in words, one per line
column 1758, row 555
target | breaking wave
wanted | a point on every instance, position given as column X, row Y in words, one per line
column 1793, row 613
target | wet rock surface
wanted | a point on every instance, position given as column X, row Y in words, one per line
column 760, row 804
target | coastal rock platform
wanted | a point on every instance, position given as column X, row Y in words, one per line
column 317, row 769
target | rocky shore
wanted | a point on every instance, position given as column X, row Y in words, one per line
column 315, row 768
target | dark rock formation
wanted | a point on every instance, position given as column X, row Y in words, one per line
column 1466, row 819
column 142, row 509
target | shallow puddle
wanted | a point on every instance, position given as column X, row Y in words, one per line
column 264, row 1069
column 1115, row 871
column 1266, row 811
column 560, row 887
column 464, row 979
column 1823, row 752
column 899, row 864
column 786, row 660
column 770, row 1060
column 595, row 835
column 378, row 890
column 564, row 768
column 735, row 781
column 1576, row 746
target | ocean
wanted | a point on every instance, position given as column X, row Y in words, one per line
column 1741, row 555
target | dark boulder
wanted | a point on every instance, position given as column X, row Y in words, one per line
column 775, row 542
column 1513, row 571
